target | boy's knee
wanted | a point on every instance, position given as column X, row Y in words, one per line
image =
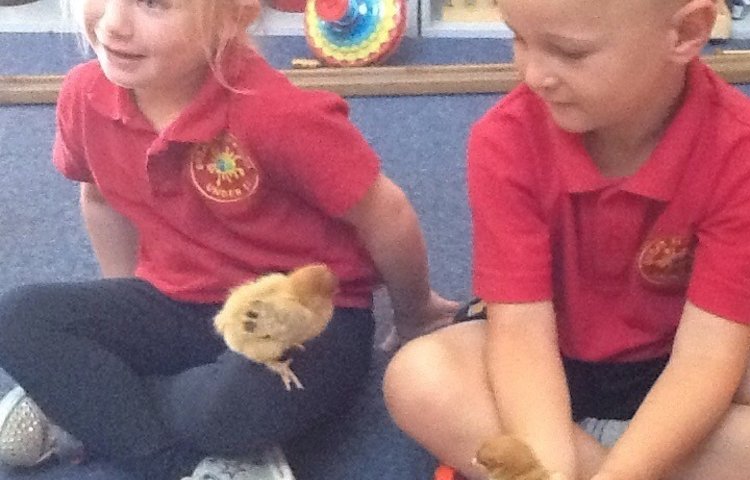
column 417, row 378
column 742, row 397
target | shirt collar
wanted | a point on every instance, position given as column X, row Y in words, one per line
column 660, row 174
column 579, row 171
column 659, row 177
column 200, row 121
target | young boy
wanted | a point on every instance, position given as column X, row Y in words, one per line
column 610, row 195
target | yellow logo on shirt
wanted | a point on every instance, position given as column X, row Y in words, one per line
column 221, row 171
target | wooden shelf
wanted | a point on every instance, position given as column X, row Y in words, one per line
column 371, row 81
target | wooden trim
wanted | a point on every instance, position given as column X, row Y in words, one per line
column 733, row 66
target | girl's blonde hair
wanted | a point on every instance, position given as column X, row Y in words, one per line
column 223, row 24
column 220, row 24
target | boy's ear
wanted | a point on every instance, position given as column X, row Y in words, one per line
column 692, row 25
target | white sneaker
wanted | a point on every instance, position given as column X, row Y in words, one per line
column 266, row 463
column 27, row 437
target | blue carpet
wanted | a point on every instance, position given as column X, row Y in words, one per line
column 422, row 144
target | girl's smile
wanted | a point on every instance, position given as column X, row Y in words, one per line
column 121, row 59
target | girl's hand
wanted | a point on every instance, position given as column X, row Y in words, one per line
column 437, row 313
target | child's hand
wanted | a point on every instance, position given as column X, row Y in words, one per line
column 607, row 476
column 558, row 476
column 438, row 312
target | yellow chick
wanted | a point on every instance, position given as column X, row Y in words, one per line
column 266, row 317
column 508, row 458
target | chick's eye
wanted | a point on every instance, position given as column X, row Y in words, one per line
column 249, row 326
column 251, row 314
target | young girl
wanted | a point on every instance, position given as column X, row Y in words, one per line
column 610, row 197
column 200, row 168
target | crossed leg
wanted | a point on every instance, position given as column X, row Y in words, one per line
column 436, row 390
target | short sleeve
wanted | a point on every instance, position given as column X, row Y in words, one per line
column 511, row 249
column 720, row 282
column 68, row 152
column 321, row 154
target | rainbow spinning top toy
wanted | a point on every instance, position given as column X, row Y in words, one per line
column 354, row 33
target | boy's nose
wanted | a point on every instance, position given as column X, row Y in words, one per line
column 537, row 75
column 116, row 19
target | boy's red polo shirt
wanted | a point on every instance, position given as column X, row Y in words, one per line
column 239, row 185
column 617, row 256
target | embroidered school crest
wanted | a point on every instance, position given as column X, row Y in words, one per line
column 666, row 262
column 221, row 171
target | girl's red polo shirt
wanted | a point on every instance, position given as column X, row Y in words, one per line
column 618, row 257
column 239, row 185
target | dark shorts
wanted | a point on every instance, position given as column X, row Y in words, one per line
column 610, row 390
column 597, row 389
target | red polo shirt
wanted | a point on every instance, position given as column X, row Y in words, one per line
column 239, row 185
column 618, row 257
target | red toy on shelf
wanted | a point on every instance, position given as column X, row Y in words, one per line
column 288, row 5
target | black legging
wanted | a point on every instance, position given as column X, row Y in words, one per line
column 144, row 381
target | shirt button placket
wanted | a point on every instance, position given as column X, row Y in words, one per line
column 613, row 237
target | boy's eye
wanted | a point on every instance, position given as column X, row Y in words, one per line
column 573, row 55
column 156, row 4
column 570, row 52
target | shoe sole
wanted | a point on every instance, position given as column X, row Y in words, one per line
column 278, row 460
column 8, row 403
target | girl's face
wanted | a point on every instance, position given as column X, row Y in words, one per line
column 145, row 45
